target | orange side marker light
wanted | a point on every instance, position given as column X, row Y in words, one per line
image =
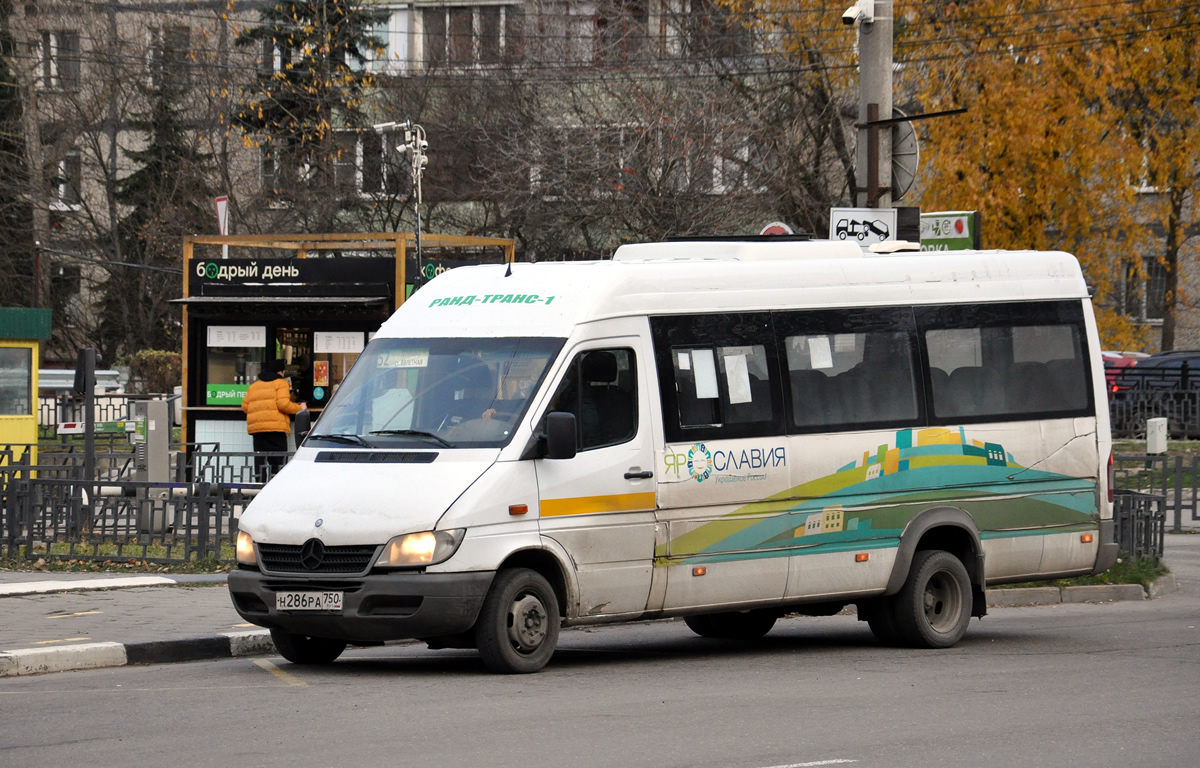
column 699, row 570
column 518, row 509
column 1086, row 538
column 862, row 557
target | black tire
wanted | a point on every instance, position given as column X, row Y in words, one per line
column 880, row 617
column 304, row 649
column 933, row 607
column 736, row 625
column 517, row 629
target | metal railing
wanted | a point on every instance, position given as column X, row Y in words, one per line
column 1130, row 409
column 1140, row 524
column 49, row 509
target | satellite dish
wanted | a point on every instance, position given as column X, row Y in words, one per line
column 906, row 155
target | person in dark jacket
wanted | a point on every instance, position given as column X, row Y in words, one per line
column 268, row 407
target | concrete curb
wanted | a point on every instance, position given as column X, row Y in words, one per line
column 1091, row 593
column 50, row 586
column 36, row 661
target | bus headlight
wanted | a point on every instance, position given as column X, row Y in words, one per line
column 245, row 549
column 424, row 548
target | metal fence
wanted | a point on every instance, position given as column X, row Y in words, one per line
column 1129, row 411
column 50, row 510
column 112, row 406
column 1140, row 524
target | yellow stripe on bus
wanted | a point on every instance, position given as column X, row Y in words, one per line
column 590, row 505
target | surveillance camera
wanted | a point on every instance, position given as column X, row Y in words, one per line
column 862, row 12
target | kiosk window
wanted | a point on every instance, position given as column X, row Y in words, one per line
column 600, row 388
column 16, row 381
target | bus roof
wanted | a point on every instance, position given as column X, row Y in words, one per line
column 551, row 298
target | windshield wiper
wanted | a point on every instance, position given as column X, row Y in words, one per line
column 347, row 438
column 414, row 433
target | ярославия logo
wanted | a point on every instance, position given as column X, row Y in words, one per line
column 723, row 465
column 699, row 462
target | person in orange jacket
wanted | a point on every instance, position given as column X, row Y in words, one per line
column 268, row 406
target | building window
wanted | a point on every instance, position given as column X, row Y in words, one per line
column 58, row 59
column 566, row 32
column 68, row 181
column 621, row 31
column 703, row 29
column 169, row 53
column 392, row 57
column 470, row 36
column 1145, row 291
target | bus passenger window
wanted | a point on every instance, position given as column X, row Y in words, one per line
column 851, row 379
column 1003, row 361
column 722, row 385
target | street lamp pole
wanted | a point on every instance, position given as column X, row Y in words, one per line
column 415, row 150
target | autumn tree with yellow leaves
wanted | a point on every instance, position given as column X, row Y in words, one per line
column 312, row 83
column 1080, row 132
column 1078, row 118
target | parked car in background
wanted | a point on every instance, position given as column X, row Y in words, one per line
column 1114, row 362
column 1176, row 370
column 1165, row 384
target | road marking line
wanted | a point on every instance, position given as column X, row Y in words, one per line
column 834, row 761
column 64, row 640
column 274, row 670
column 66, row 615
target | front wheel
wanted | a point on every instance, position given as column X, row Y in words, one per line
column 304, row 649
column 933, row 607
column 517, row 629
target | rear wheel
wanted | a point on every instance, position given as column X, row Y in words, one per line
column 933, row 607
column 305, row 649
column 518, row 625
column 736, row 625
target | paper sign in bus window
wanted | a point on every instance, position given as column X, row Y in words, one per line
column 737, row 377
column 706, row 373
column 404, row 358
column 685, row 361
column 819, row 353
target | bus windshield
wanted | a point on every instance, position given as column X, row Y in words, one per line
column 447, row 393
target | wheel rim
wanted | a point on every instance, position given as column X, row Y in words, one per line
column 943, row 602
column 527, row 623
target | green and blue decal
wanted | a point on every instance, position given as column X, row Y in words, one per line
column 867, row 503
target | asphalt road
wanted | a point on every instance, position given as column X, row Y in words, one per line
column 1066, row 685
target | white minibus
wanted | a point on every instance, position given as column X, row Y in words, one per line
column 723, row 431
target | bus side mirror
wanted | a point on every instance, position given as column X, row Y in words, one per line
column 560, row 435
column 301, row 426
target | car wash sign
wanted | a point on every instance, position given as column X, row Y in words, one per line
column 949, row 231
column 866, row 226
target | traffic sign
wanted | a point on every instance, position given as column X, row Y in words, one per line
column 866, row 225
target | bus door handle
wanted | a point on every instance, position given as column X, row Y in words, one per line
column 635, row 474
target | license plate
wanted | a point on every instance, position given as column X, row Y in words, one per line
column 308, row 601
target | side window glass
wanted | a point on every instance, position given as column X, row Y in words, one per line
column 600, row 389
column 851, row 369
column 722, row 385
column 718, row 376
column 1003, row 361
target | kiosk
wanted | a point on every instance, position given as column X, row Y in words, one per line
column 312, row 301
column 20, row 332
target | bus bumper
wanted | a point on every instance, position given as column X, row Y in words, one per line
column 375, row 608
